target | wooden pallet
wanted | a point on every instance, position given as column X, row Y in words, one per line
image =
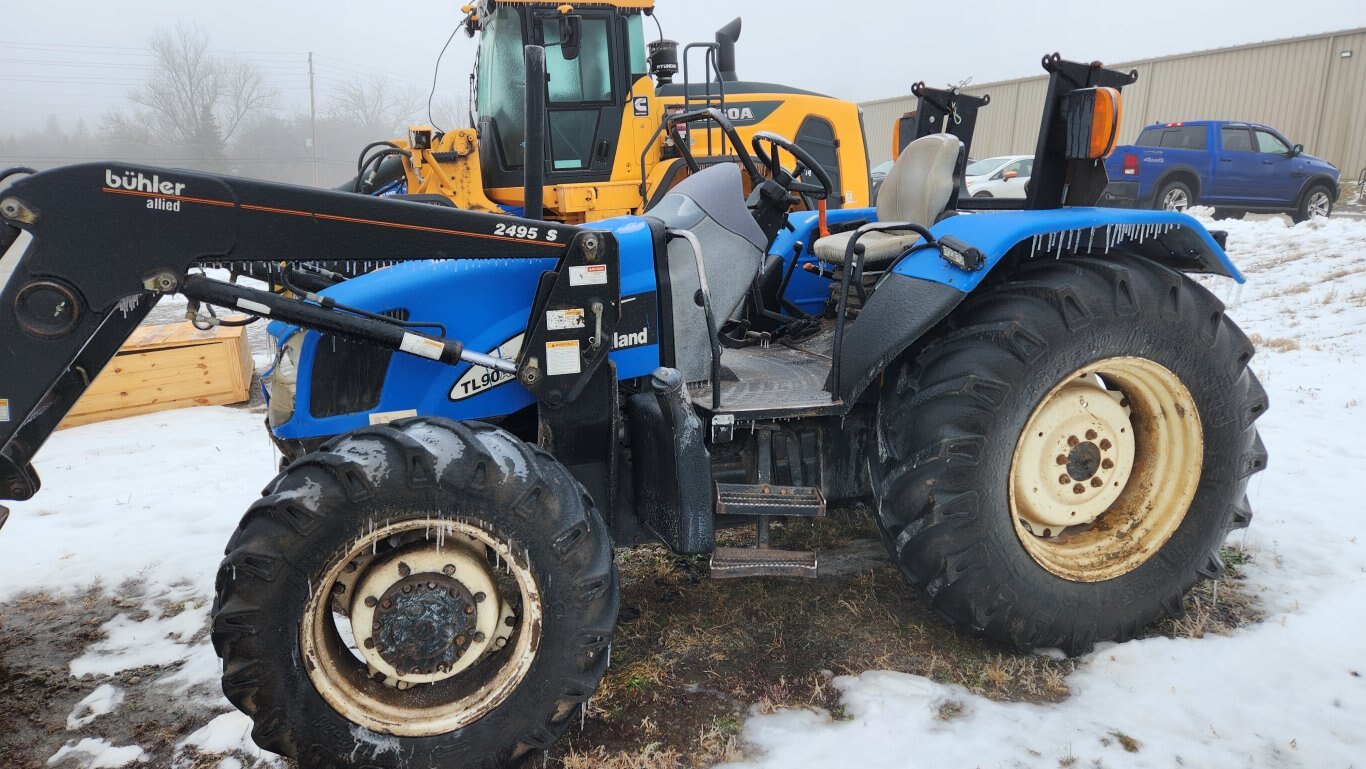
column 169, row 367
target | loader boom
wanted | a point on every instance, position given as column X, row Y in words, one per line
column 108, row 240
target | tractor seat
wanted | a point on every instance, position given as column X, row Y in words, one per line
column 916, row 190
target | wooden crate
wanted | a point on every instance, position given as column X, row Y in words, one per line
column 168, row 367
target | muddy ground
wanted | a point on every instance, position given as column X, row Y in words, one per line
column 693, row 657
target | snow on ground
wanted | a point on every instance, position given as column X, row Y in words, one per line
column 154, row 499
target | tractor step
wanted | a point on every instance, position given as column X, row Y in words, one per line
column 736, row 562
column 767, row 499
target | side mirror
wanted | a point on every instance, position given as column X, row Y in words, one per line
column 1297, row 150
column 1009, row 175
column 571, row 33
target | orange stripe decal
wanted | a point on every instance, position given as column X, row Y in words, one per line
column 338, row 218
column 137, row 193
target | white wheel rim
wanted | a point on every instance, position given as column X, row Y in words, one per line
column 1318, row 204
column 1124, row 513
column 365, row 687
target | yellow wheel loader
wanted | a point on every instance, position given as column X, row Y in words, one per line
column 602, row 118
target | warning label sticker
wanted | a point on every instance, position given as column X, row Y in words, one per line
column 421, row 346
column 562, row 357
column 588, row 275
column 563, row 320
column 4, row 410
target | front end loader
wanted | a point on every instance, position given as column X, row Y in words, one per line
column 1054, row 423
column 604, row 104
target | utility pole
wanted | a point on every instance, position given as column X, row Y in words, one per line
column 313, row 119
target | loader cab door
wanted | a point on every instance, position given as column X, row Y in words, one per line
column 584, row 101
column 586, row 94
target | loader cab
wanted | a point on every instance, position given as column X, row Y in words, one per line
column 593, row 56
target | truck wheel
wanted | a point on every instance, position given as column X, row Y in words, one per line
column 1063, row 460
column 1316, row 201
column 982, row 194
column 427, row 593
column 1224, row 213
column 1174, row 196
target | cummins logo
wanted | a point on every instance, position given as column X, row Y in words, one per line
column 135, row 181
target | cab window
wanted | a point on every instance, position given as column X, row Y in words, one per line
column 502, row 81
column 1235, row 139
column 1269, row 142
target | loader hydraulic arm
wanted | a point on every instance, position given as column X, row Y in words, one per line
column 108, row 240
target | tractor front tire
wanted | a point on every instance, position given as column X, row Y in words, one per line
column 426, row 593
column 1065, row 458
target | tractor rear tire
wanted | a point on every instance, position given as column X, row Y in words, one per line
column 1064, row 458
column 431, row 528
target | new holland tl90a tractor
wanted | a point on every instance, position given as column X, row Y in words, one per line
column 1053, row 422
column 604, row 152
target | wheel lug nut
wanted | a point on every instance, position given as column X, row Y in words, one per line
column 338, row 588
column 460, row 640
column 1105, row 444
column 1078, row 489
column 375, row 626
column 479, row 597
column 407, row 589
column 1091, row 435
column 388, row 604
column 448, row 569
column 351, row 566
column 1064, row 479
column 403, row 569
column 1073, row 440
column 479, row 638
column 370, row 601
column 510, row 621
column 1097, row 483
column 369, row 643
column 469, row 609
column 1107, row 464
column 1061, row 459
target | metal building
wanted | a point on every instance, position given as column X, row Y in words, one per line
column 1312, row 89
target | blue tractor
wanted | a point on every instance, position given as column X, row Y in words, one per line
column 1053, row 422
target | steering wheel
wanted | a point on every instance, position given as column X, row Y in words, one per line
column 789, row 179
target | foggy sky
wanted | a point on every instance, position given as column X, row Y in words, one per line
column 79, row 59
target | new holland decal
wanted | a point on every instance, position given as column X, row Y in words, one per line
column 637, row 328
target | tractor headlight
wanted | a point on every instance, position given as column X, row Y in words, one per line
column 284, row 380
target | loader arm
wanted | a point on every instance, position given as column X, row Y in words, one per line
column 108, row 240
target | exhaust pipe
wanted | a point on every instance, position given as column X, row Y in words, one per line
column 533, row 162
column 726, row 38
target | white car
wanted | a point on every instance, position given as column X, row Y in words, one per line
column 1002, row 177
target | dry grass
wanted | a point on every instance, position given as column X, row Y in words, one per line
column 694, row 657
column 1278, row 343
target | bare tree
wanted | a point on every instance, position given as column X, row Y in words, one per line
column 193, row 101
column 377, row 105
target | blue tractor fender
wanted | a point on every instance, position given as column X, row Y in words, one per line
column 923, row 288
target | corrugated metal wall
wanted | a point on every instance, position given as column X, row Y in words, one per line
column 1302, row 87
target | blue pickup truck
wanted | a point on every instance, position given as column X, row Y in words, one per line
column 1234, row 167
